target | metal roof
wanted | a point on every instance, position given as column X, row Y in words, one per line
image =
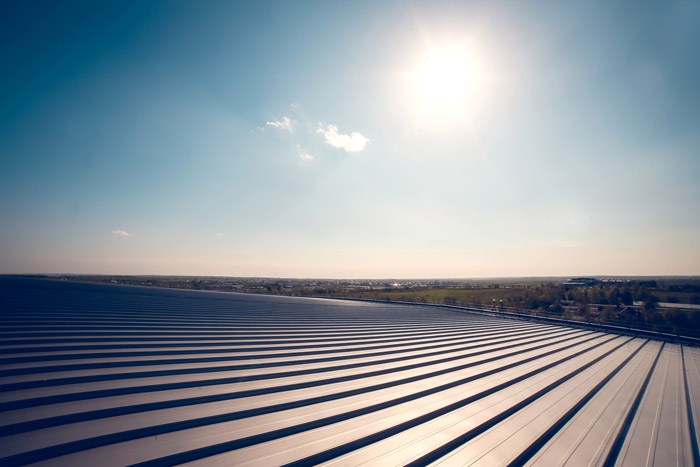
column 114, row 375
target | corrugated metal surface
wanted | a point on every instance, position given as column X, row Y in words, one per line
column 101, row 375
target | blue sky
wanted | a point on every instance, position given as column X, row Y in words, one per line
column 350, row 139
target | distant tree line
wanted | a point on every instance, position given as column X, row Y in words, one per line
column 605, row 302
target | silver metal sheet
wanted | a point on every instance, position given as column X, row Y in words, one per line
column 108, row 375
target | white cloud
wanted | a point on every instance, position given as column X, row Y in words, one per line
column 303, row 154
column 284, row 124
column 354, row 142
column 121, row 233
column 219, row 234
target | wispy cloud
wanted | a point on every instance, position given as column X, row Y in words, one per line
column 121, row 233
column 354, row 142
column 284, row 124
column 303, row 154
column 219, row 234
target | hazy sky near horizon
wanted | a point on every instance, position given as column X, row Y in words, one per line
column 350, row 139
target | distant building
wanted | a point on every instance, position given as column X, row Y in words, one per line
column 581, row 282
column 675, row 306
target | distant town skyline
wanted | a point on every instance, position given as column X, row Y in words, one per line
column 386, row 139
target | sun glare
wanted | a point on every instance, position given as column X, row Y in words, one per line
column 444, row 84
column 443, row 79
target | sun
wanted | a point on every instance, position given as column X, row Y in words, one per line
column 444, row 83
column 443, row 78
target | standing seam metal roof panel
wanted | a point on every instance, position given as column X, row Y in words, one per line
column 121, row 375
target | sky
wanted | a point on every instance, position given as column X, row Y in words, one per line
column 377, row 139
